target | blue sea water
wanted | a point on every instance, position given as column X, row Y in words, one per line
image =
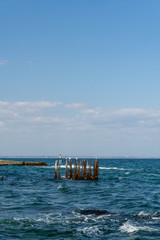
column 34, row 205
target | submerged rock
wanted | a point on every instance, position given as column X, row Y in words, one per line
column 95, row 212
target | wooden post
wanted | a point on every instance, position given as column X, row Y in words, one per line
column 87, row 172
column 90, row 170
column 70, row 163
column 66, row 168
column 97, row 169
column 84, row 169
column 96, row 166
column 75, row 170
column 94, row 169
column 56, row 165
column 59, row 169
column 79, row 169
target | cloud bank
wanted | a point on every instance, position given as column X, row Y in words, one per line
column 99, row 127
column 76, row 115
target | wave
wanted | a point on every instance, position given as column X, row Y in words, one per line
column 120, row 169
column 47, row 219
column 84, row 225
column 90, row 231
column 144, row 215
column 103, row 168
column 58, row 218
column 132, row 228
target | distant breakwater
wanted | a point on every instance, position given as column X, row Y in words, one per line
column 21, row 163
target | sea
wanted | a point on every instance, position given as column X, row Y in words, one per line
column 35, row 205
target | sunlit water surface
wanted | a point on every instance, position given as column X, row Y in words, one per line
column 34, row 205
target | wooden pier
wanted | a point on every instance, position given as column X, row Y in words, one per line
column 78, row 170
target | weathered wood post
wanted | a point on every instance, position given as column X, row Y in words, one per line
column 87, row 171
column 97, row 169
column 79, row 169
column 84, row 169
column 56, row 166
column 75, row 170
column 70, row 163
column 59, row 169
column 90, row 170
column 94, row 169
column 66, row 168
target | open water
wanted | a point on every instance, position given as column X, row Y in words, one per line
column 34, row 205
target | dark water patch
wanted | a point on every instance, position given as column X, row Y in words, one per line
column 95, row 212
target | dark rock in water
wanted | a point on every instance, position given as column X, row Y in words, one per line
column 96, row 212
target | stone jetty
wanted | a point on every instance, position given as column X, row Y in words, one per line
column 21, row 163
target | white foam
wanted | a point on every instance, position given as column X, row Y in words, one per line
column 102, row 168
column 155, row 218
column 115, row 168
column 60, row 187
column 21, row 219
column 91, row 218
column 120, row 178
column 143, row 214
column 90, row 231
column 46, row 220
column 130, row 228
column 49, row 219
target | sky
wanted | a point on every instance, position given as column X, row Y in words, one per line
column 80, row 78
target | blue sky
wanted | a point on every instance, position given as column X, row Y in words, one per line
column 80, row 77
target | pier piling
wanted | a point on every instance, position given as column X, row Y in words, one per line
column 70, row 163
column 66, row 168
column 80, row 170
column 56, row 165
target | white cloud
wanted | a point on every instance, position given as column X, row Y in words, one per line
column 3, row 103
column 121, row 118
column 2, row 124
column 25, row 112
column 38, row 104
column 75, row 105
column 58, row 115
column 90, row 111
column 71, row 124
column 3, row 62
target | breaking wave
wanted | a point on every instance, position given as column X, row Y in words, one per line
column 131, row 228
